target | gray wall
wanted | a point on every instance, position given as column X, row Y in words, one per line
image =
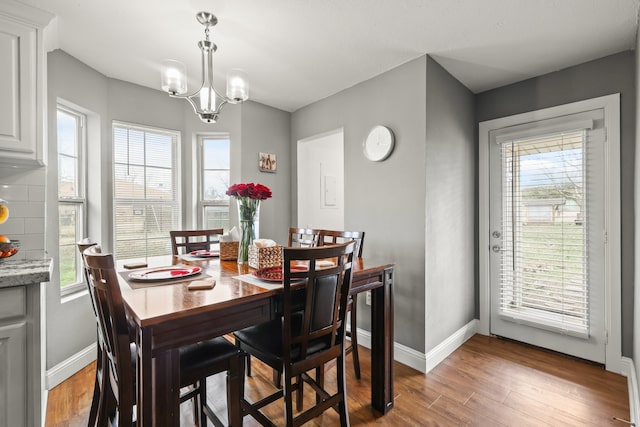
column 406, row 200
column 384, row 199
column 70, row 324
column 451, row 158
column 267, row 130
column 612, row 74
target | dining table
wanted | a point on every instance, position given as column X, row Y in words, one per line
column 168, row 314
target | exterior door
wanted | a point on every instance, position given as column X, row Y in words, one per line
column 547, row 233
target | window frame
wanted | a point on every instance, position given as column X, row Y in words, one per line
column 203, row 203
column 176, row 177
column 80, row 200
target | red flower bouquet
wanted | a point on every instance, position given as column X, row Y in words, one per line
column 248, row 197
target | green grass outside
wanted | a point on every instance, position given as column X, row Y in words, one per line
column 550, row 265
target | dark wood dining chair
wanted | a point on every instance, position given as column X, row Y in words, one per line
column 332, row 237
column 304, row 340
column 197, row 361
column 298, row 238
column 185, row 241
column 97, row 400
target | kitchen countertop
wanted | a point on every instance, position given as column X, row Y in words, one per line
column 24, row 271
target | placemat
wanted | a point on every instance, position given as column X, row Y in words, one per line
column 253, row 280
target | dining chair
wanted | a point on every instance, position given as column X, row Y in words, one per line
column 185, row 241
column 299, row 238
column 197, row 361
column 98, row 395
column 332, row 237
column 304, row 340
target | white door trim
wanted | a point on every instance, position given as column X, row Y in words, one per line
column 613, row 300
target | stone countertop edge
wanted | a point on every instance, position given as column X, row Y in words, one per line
column 24, row 272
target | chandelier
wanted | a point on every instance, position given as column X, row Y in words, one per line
column 206, row 101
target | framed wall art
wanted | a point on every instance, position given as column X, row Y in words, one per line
column 267, row 162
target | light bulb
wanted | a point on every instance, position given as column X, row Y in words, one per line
column 173, row 77
column 207, row 99
column 237, row 85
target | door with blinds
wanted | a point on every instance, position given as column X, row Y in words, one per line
column 547, row 233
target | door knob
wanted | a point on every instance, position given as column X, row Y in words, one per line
column 496, row 248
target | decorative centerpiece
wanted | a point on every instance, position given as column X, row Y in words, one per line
column 248, row 197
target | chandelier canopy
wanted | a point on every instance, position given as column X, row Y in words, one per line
column 206, row 101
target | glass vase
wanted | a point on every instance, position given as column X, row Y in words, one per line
column 249, row 219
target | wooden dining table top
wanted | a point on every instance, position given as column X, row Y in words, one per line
column 154, row 303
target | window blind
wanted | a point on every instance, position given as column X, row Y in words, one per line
column 146, row 202
column 544, row 275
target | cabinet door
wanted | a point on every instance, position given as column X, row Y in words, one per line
column 13, row 375
column 18, row 73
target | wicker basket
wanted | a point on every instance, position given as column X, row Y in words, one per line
column 265, row 257
column 228, row 251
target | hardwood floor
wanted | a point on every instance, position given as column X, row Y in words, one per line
column 486, row 382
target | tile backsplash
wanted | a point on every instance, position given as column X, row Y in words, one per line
column 24, row 190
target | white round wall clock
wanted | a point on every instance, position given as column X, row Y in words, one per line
column 379, row 143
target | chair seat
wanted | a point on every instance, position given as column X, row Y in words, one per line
column 266, row 339
column 203, row 356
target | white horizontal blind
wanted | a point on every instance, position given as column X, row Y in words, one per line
column 544, row 268
column 146, row 201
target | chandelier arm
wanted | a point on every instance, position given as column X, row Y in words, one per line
column 194, row 103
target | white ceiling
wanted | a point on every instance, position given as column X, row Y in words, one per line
column 299, row 51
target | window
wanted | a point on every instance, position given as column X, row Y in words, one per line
column 71, row 138
column 545, row 243
column 214, row 178
column 146, row 196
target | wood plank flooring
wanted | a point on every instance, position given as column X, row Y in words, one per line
column 486, row 382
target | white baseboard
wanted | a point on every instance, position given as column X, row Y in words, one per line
column 70, row 366
column 418, row 360
column 449, row 345
column 629, row 370
column 403, row 354
column 45, row 399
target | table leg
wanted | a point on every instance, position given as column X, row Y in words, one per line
column 382, row 344
column 166, row 389
column 158, row 384
column 144, row 376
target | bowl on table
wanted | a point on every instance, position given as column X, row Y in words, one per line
column 8, row 249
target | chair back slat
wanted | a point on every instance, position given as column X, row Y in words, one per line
column 303, row 237
column 185, row 241
column 82, row 245
column 333, row 237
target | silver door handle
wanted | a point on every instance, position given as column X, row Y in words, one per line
column 496, row 248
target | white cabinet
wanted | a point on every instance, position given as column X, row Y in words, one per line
column 22, row 342
column 22, row 84
column 13, row 374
